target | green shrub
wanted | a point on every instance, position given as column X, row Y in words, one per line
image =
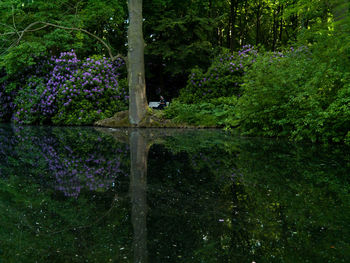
column 300, row 95
column 275, row 95
column 215, row 112
column 22, row 57
column 27, row 101
column 335, row 120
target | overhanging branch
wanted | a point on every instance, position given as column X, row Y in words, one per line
column 47, row 24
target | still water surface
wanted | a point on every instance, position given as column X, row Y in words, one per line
column 104, row 195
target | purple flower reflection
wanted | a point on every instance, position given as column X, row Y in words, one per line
column 75, row 172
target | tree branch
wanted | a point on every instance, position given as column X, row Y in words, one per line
column 122, row 57
column 9, row 27
column 37, row 29
column 46, row 24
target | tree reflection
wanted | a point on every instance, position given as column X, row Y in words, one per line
column 139, row 147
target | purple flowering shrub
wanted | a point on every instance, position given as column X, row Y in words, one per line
column 25, row 87
column 91, row 93
column 222, row 79
column 65, row 67
column 67, row 91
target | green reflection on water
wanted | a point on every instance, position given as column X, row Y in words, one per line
column 87, row 195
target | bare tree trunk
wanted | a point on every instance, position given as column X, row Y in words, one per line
column 138, row 189
column 258, row 23
column 244, row 29
column 136, row 64
column 281, row 24
column 295, row 25
column 234, row 7
column 275, row 28
column 228, row 33
column 326, row 10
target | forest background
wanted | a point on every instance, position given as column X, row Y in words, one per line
column 277, row 68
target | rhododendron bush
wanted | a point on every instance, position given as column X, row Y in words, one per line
column 222, row 79
column 66, row 91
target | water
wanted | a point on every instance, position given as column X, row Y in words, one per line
column 104, row 195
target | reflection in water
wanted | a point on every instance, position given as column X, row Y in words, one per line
column 61, row 157
column 138, row 188
column 86, row 195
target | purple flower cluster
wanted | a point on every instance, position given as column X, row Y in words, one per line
column 74, row 173
column 55, row 89
column 247, row 51
column 91, row 92
column 238, row 62
column 64, row 68
column 97, row 77
column 291, row 52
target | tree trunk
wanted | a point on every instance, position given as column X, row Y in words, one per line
column 228, row 33
column 281, row 24
column 136, row 64
column 244, row 29
column 295, row 25
column 275, row 28
column 258, row 23
column 234, row 7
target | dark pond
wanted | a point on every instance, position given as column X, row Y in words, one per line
column 103, row 195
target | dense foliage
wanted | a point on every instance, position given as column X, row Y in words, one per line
column 91, row 93
column 179, row 34
column 301, row 93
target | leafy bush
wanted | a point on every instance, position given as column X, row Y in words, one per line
column 274, row 94
column 65, row 67
column 19, row 83
column 216, row 112
column 28, row 101
column 300, row 95
column 22, row 57
column 334, row 122
column 222, row 79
